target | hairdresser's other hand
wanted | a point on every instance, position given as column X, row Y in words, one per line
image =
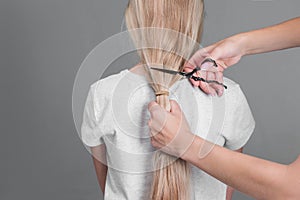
column 226, row 53
column 170, row 131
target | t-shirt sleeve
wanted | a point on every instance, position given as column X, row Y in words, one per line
column 95, row 117
column 240, row 123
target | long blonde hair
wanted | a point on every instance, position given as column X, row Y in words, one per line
column 166, row 33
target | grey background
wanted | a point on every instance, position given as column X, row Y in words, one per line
column 43, row 43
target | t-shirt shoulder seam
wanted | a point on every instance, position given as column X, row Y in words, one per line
column 100, row 85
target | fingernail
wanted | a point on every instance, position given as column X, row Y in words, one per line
column 220, row 93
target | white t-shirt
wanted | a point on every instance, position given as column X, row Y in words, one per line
column 116, row 115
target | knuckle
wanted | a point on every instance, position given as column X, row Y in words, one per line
column 154, row 143
column 149, row 123
column 155, row 113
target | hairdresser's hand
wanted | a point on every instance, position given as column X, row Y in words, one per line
column 226, row 53
column 170, row 131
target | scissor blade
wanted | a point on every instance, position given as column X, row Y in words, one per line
column 166, row 71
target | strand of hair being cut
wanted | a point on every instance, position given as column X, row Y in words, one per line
column 166, row 33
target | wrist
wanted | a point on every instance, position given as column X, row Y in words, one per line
column 191, row 153
column 243, row 41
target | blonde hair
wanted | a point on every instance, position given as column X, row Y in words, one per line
column 166, row 33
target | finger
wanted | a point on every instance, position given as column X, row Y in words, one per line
column 221, row 66
column 153, row 108
column 215, row 53
column 204, row 87
column 151, row 105
column 175, row 107
column 188, row 68
column 155, row 127
column 155, row 144
column 211, row 76
column 214, row 87
column 150, row 127
column 220, row 88
column 159, row 139
column 194, row 83
column 158, row 117
column 231, row 61
column 199, row 56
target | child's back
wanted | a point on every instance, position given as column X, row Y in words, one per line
column 116, row 115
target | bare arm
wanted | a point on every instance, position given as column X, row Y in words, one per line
column 229, row 51
column 256, row 177
column 99, row 159
column 230, row 190
column 277, row 37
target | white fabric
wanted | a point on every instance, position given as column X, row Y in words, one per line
column 116, row 115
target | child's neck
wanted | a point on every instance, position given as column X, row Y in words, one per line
column 138, row 69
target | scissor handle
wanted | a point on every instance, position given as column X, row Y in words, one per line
column 210, row 60
column 207, row 81
column 190, row 74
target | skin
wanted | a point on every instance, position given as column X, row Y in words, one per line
column 230, row 50
column 256, row 177
column 230, row 190
column 259, row 178
column 99, row 160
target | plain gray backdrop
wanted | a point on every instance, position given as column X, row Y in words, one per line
column 43, row 43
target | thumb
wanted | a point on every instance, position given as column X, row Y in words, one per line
column 218, row 55
column 215, row 52
column 175, row 107
column 210, row 48
column 153, row 106
column 198, row 57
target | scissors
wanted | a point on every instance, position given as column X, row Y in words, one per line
column 190, row 74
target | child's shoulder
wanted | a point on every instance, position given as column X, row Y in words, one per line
column 105, row 85
column 232, row 86
column 234, row 94
column 230, row 83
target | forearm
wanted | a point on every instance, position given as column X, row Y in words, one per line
column 99, row 160
column 277, row 37
column 230, row 190
column 256, row 177
column 101, row 172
